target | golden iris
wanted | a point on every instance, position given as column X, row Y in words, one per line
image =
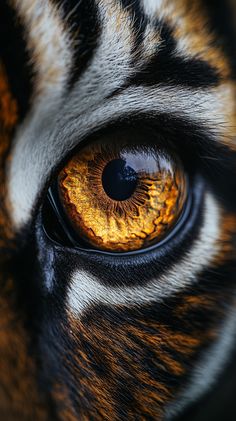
column 122, row 197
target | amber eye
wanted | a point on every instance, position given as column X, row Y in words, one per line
column 122, row 196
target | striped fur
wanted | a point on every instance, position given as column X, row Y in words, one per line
column 86, row 336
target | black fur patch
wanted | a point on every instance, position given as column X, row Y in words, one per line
column 15, row 57
column 168, row 67
column 223, row 23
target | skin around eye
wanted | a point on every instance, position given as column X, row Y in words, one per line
column 122, row 197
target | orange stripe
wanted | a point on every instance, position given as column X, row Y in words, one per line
column 8, row 121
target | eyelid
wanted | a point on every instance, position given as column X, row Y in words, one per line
column 72, row 240
column 172, row 130
column 74, row 243
column 113, row 268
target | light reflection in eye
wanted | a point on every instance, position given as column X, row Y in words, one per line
column 122, row 197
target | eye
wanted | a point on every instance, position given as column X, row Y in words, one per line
column 121, row 195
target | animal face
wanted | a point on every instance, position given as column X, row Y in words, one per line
column 117, row 206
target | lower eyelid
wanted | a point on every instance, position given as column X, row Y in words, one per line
column 138, row 268
column 164, row 254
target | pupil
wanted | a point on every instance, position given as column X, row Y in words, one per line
column 119, row 180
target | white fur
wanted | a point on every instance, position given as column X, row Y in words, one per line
column 111, row 64
column 48, row 43
column 159, row 8
column 152, row 7
column 86, row 290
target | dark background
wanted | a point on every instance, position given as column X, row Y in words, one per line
column 220, row 403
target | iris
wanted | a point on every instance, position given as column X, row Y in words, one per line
column 122, row 195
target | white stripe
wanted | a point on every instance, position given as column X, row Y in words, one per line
column 43, row 143
column 111, row 63
column 85, row 290
column 48, row 42
column 154, row 8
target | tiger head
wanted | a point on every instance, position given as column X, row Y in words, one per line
column 117, row 206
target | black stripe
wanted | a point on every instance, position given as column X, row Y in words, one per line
column 13, row 53
column 134, row 6
column 222, row 22
column 83, row 24
column 167, row 67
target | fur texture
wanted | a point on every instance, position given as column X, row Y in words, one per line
column 86, row 335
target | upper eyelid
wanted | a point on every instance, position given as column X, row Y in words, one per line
column 173, row 128
column 164, row 127
column 71, row 129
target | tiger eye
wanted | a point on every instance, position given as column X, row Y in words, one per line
column 121, row 197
